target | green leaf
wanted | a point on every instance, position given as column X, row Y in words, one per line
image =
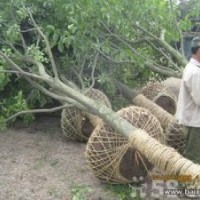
column 61, row 47
column 50, row 28
column 70, row 26
column 55, row 37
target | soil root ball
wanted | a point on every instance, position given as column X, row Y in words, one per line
column 109, row 154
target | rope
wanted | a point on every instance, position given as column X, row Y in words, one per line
column 109, row 154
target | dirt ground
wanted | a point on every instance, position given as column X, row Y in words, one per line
column 38, row 163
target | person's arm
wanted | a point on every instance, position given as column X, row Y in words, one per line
column 194, row 87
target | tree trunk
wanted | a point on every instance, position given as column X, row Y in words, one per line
column 163, row 157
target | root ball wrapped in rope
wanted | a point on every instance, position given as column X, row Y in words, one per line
column 109, row 154
column 174, row 84
column 162, row 95
column 77, row 124
column 151, row 89
column 176, row 135
column 167, row 100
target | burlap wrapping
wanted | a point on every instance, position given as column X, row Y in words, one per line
column 109, row 154
column 78, row 125
column 176, row 135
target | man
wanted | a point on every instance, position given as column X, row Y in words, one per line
column 188, row 107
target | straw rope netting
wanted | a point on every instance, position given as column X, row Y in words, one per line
column 174, row 84
column 163, row 157
column 77, row 124
column 176, row 135
column 163, row 116
column 109, row 154
column 166, row 158
column 167, row 100
column 98, row 95
column 161, row 94
column 151, row 89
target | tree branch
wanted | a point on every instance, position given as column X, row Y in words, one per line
column 163, row 70
column 114, row 61
column 148, row 63
column 39, row 111
column 20, row 71
column 10, row 71
column 93, row 70
column 179, row 57
column 41, row 70
column 164, row 54
column 47, row 46
column 80, row 73
column 51, row 94
column 69, row 83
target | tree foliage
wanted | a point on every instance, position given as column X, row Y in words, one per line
column 90, row 42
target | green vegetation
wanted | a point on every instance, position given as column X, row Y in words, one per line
column 80, row 192
column 91, row 41
column 124, row 192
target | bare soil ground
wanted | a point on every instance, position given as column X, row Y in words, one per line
column 38, row 163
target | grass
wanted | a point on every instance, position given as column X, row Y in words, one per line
column 80, row 192
column 125, row 192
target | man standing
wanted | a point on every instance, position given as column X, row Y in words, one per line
column 188, row 106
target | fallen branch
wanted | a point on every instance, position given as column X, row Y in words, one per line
column 38, row 111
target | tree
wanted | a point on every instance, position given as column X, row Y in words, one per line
column 35, row 63
column 104, row 31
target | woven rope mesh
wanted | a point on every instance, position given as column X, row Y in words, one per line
column 76, row 124
column 151, row 89
column 173, row 83
column 176, row 135
column 162, row 95
column 110, row 156
column 166, row 99
column 98, row 96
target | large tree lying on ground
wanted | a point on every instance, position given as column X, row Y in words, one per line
column 130, row 41
column 46, row 78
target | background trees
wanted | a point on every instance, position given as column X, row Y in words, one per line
column 91, row 41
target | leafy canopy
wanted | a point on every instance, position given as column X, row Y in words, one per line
column 91, row 41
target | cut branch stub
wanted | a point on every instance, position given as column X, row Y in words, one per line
column 109, row 154
column 78, row 125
